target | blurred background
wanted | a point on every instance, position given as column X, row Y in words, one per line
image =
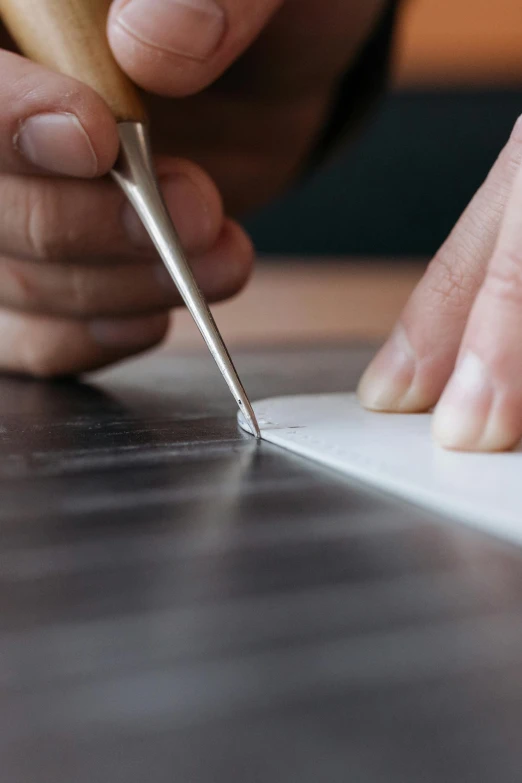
column 345, row 250
column 456, row 93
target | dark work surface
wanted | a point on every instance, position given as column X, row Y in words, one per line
column 178, row 604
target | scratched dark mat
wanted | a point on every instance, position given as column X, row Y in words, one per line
column 178, row 604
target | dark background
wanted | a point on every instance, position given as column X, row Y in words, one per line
column 400, row 188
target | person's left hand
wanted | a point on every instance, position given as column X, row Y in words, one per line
column 458, row 342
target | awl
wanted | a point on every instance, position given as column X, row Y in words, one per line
column 69, row 36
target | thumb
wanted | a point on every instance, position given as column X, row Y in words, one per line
column 179, row 47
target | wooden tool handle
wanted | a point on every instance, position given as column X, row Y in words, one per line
column 70, row 36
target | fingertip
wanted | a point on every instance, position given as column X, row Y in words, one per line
column 142, row 63
column 52, row 123
column 473, row 413
column 241, row 240
column 194, row 204
column 167, row 48
column 105, row 342
column 225, row 269
column 129, row 334
column 455, row 431
column 100, row 126
column 46, row 347
column 386, row 384
column 239, row 248
column 197, row 210
column 95, row 118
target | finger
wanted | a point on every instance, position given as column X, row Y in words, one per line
column 481, row 408
column 178, row 47
column 47, row 347
column 308, row 44
column 124, row 290
column 411, row 370
column 64, row 221
column 50, row 122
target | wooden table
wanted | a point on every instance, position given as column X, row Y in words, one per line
column 320, row 299
column 180, row 604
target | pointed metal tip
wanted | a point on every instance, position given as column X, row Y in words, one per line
column 135, row 174
column 248, row 414
column 257, row 430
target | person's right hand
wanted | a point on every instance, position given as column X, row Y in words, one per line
column 80, row 284
column 241, row 88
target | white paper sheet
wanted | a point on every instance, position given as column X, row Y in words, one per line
column 396, row 453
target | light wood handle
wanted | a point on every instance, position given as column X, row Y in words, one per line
column 70, row 36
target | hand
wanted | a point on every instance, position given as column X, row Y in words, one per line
column 256, row 79
column 458, row 343
column 80, row 285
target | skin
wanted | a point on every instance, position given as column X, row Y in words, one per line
column 80, row 285
column 238, row 93
column 456, row 345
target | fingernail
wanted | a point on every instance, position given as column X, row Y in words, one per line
column 191, row 28
column 57, row 143
column 385, row 384
column 187, row 206
column 461, row 417
column 127, row 332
